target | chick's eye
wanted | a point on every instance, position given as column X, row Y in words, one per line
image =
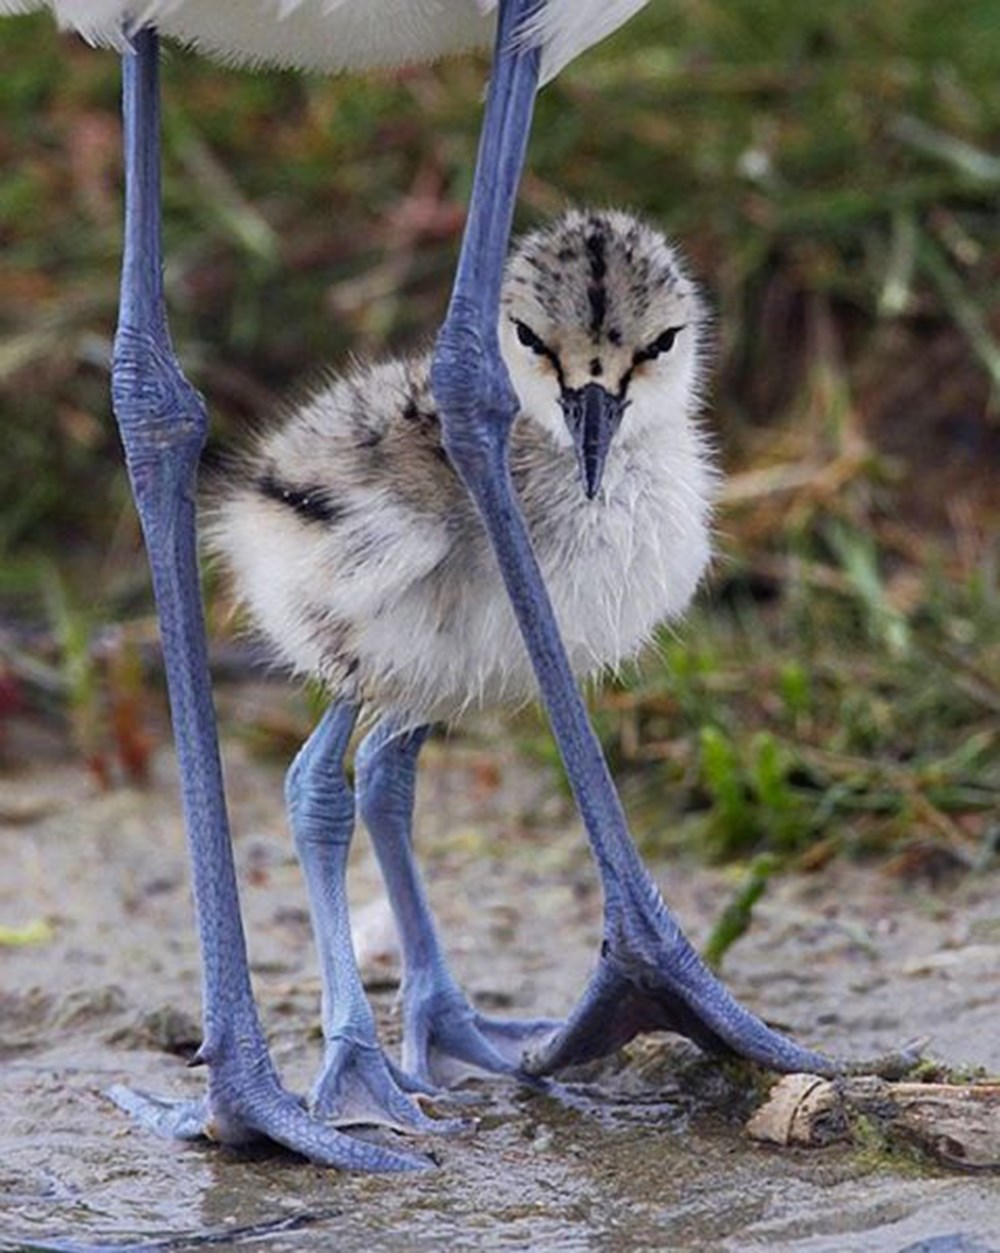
column 663, row 343
column 539, row 347
column 529, row 339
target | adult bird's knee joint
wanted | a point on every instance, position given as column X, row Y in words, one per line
column 473, row 392
column 158, row 410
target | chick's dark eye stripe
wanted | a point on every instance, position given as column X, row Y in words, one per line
column 537, row 345
column 663, row 343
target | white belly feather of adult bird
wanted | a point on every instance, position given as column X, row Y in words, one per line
column 336, row 35
column 647, row 975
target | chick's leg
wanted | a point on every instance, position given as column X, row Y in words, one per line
column 444, row 1038
column 357, row 1084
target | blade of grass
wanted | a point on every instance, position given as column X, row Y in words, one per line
column 963, row 307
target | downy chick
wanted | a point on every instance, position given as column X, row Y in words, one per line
column 361, row 558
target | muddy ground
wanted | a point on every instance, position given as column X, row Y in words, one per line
column 647, row 1154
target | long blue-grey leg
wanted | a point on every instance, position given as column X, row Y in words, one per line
column 162, row 422
column 444, row 1038
column 357, row 1083
column 648, row 976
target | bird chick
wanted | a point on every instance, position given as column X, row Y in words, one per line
column 360, row 556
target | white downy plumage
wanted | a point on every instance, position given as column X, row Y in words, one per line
column 336, row 35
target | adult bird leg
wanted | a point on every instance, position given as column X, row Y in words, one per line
column 163, row 423
column 358, row 1083
column 648, row 975
column 444, row 1038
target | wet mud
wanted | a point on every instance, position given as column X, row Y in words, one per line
column 646, row 1151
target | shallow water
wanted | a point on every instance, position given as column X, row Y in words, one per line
column 649, row 1153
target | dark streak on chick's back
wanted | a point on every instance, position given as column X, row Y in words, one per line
column 312, row 504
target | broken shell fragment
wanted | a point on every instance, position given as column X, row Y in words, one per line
column 804, row 1110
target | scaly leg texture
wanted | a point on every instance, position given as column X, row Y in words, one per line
column 357, row 1084
column 162, row 422
column 648, row 975
column 444, row 1038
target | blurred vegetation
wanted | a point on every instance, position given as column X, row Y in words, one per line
column 833, row 172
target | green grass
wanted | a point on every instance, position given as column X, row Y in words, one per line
column 814, row 161
column 833, row 172
column 804, row 728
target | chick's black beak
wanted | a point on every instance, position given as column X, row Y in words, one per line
column 593, row 415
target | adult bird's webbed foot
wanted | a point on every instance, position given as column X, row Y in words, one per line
column 627, row 996
column 245, row 1103
column 650, row 978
